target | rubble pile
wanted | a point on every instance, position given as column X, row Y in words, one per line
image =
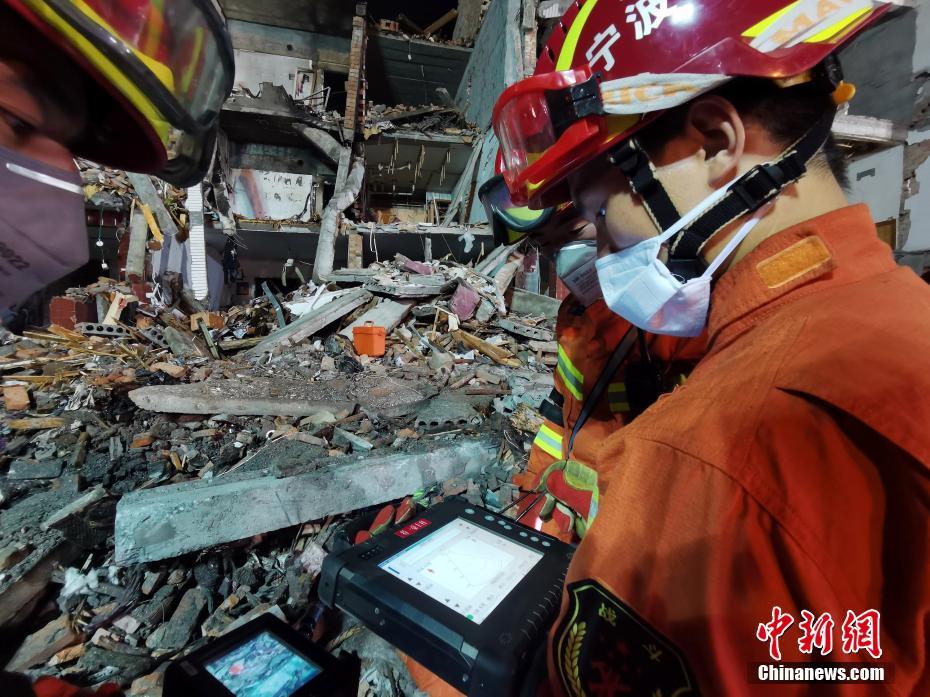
column 111, row 189
column 170, row 473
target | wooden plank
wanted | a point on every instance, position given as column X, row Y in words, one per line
column 40, row 424
column 495, row 353
column 441, row 22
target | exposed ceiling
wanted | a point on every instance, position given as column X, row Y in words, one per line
column 332, row 17
column 408, row 71
column 437, row 162
column 322, row 16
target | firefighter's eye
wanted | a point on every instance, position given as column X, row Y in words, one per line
column 20, row 127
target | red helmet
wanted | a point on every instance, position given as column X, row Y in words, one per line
column 612, row 67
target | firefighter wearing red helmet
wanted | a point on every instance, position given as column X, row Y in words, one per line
column 608, row 371
column 133, row 84
column 757, row 516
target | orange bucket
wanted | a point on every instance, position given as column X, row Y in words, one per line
column 368, row 340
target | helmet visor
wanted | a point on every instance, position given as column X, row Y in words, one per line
column 509, row 221
column 176, row 51
column 543, row 128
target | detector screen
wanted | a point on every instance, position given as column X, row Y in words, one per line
column 263, row 667
column 465, row 567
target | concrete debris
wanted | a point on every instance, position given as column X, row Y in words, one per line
column 244, row 398
column 387, row 314
column 167, row 477
column 159, row 523
column 39, row 647
column 315, row 320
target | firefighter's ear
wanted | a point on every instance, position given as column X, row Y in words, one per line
column 720, row 129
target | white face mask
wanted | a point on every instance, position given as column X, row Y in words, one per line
column 639, row 287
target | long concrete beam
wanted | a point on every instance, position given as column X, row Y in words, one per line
column 172, row 520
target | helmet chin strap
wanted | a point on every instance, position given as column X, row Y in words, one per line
column 631, row 159
column 760, row 185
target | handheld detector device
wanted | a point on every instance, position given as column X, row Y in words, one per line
column 264, row 658
column 465, row 592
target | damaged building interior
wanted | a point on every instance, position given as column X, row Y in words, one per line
column 321, row 339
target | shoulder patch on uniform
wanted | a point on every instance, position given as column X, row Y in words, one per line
column 603, row 648
column 800, row 259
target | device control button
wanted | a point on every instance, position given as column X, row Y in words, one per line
column 508, row 527
column 546, row 544
column 534, row 539
column 489, row 518
column 470, row 511
column 502, row 523
column 523, row 533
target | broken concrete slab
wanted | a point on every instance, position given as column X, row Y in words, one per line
column 387, row 398
column 387, row 314
column 527, row 331
column 35, row 469
column 181, row 346
column 415, row 286
column 173, row 520
column 353, row 275
column 348, row 439
column 246, row 398
column 447, row 412
column 523, row 302
column 315, row 320
column 41, row 646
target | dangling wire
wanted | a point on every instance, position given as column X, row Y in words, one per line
column 99, row 242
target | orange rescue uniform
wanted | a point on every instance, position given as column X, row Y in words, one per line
column 791, row 471
column 587, row 339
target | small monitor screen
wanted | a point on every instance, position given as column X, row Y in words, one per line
column 263, row 667
column 465, row 567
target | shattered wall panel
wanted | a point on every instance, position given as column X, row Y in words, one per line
column 499, row 45
column 252, row 69
column 262, row 195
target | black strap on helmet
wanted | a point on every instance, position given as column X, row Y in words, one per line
column 759, row 186
column 632, row 160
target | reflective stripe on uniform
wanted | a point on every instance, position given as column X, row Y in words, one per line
column 549, row 441
column 570, row 375
column 616, row 396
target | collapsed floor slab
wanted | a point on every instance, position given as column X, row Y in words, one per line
column 313, row 321
column 173, row 520
column 253, row 398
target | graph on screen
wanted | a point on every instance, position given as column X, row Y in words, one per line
column 465, row 567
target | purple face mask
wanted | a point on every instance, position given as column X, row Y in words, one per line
column 43, row 235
